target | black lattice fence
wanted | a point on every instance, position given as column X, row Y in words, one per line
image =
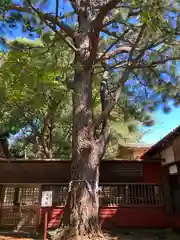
column 28, row 200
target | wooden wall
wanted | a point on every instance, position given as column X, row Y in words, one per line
column 120, row 216
column 47, row 173
column 59, row 171
column 169, row 153
column 176, row 148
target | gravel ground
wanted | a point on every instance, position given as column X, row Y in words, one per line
column 11, row 238
column 145, row 234
column 142, row 234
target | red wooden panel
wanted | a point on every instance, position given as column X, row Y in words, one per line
column 54, row 216
column 133, row 217
column 124, row 217
column 175, row 221
column 153, row 173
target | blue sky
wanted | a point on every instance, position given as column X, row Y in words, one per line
column 164, row 122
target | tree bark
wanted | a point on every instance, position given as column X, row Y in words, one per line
column 81, row 210
column 4, row 150
column 45, row 138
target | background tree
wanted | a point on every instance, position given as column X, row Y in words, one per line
column 36, row 96
column 135, row 39
column 29, row 95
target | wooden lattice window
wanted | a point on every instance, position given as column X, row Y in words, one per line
column 132, row 195
column 125, row 194
column 23, row 195
column 27, row 197
column 9, row 196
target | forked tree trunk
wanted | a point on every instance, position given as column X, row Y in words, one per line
column 81, row 210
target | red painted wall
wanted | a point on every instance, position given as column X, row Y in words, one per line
column 174, row 221
column 153, row 173
column 132, row 216
column 137, row 217
column 116, row 216
column 54, row 216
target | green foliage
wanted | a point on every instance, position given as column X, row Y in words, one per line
column 124, row 119
column 27, row 93
column 150, row 29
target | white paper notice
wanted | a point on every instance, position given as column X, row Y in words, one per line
column 46, row 200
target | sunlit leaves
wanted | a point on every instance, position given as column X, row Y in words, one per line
column 28, row 79
column 149, row 30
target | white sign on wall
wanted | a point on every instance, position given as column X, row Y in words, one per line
column 46, row 200
column 173, row 169
column 168, row 155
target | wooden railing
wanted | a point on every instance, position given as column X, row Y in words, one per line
column 111, row 195
column 123, row 194
column 131, row 195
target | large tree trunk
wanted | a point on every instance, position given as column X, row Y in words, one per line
column 81, row 210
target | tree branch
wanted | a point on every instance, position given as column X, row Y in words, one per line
column 103, row 55
column 112, row 34
column 138, row 39
column 73, row 4
column 30, row 139
column 119, row 64
column 104, row 96
column 97, row 23
column 160, row 79
column 49, row 17
column 41, row 16
column 154, row 63
column 120, row 38
column 148, row 46
column 61, row 36
column 4, row 150
column 119, row 50
column 104, row 137
column 104, row 114
column 96, row 26
column 57, row 9
column 113, row 20
column 48, row 125
column 103, row 141
column 69, row 31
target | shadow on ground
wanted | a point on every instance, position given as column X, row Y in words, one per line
column 141, row 234
column 9, row 235
column 113, row 234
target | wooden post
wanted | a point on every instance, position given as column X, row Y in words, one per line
column 1, row 200
column 46, row 201
column 45, row 223
column 166, row 191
